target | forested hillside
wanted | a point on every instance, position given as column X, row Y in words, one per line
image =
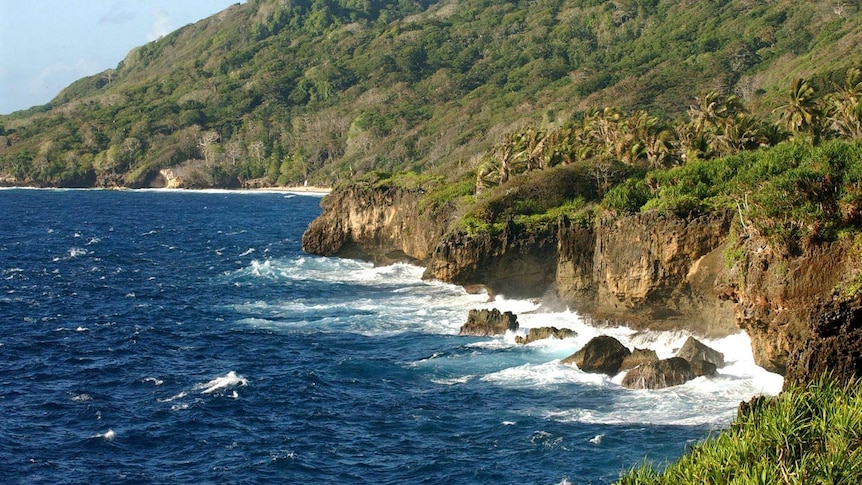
column 282, row 92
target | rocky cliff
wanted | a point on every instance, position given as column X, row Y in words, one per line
column 384, row 224
column 515, row 262
column 649, row 270
column 652, row 270
column 781, row 300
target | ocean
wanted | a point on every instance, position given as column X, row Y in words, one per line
column 184, row 337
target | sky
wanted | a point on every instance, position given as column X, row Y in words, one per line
column 45, row 45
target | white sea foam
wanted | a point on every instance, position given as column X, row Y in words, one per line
column 453, row 381
column 544, row 375
column 154, row 381
column 174, row 397
column 77, row 252
column 107, row 435
column 230, row 379
column 398, row 301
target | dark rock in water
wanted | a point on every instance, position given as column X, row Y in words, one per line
column 545, row 332
column 702, row 368
column 638, row 357
column 693, row 350
column 659, row 374
column 601, row 355
column 487, row 323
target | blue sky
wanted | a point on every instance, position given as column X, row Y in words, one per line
column 45, row 45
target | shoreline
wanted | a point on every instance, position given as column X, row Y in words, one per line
column 315, row 191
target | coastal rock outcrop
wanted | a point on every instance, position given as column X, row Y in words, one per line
column 659, row 374
column 702, row 368
column 835, row 346
column 515, row 262
column 542, row 333
column 782, row 297
column 706, row 274
column 384, row 224
column 487, row 323
column 601, row 355
column 651, row 270
column 638, row 357
column 695, row 350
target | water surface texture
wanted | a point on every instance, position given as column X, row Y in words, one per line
column 167, row 337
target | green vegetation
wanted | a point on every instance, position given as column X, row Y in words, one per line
column 271, row 92
column 805, row 435
column 792, row 183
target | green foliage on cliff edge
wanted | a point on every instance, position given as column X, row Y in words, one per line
column 805, row 435
column 793, row 194
column 535, row 201
column 271, row 92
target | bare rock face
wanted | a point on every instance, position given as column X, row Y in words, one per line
column 515, row 262
column 650, row 270
column 702, row 368
column 542, row 333
column 601, row 355
column 693, row 350
column 835, row 346
column 659, row 374
column 487, row 323
column 638, row 357
column 778, row 294
column 378, row 223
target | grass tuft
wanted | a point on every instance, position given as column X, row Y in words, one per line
column 811, row 434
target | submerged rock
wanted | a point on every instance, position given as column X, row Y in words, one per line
column 659, row 374
column 638, row 357
column 693, row 350
column 487, row 323
column 601, row 355
column 542, row 333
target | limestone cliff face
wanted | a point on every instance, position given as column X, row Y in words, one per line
column 778, row 296
column 654, row 270
column 514, row 263
column 383, row 224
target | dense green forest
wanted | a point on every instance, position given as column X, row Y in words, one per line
column 274, row 92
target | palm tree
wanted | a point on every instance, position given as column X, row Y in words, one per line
column 801, row 115
column 502, row 154
column 845, row 114
column 741, row 132
column 534, row 148
column 487, row 175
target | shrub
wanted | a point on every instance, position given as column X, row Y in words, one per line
column 627, row 197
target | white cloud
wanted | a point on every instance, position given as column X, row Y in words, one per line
column 162, row 25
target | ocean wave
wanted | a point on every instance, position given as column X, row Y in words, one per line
column 230, row 379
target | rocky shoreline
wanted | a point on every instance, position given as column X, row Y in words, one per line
column 648, row 270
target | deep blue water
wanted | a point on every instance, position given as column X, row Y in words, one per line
column 168, row 337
